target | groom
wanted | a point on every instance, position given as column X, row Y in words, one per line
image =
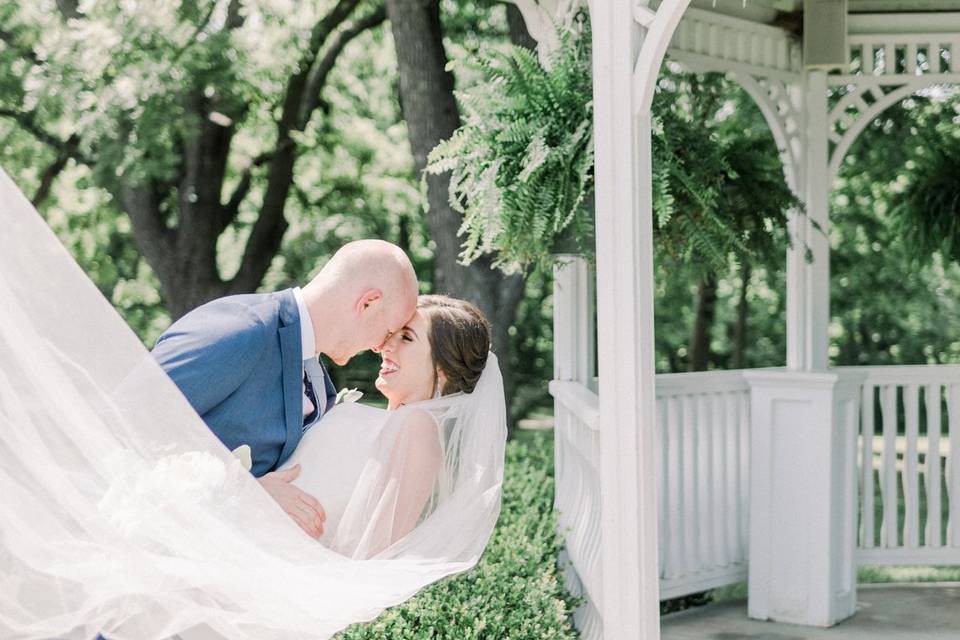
column 249, row 364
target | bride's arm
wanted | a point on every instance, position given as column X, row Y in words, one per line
column 414, row 465
column 394, row 487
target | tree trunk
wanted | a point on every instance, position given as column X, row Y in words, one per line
column 743, row 312
column 706, row 312
column 432, row 115
column 519, row 35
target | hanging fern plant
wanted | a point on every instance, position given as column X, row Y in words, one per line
column 522, row 163
column 522, row 166
column 927, row 210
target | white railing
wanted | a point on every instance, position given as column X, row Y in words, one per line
column 577, row 476
column 909, row 465
column 703, row 431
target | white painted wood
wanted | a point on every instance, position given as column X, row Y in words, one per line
column 669, row 384
column 777, row 103
column 626, row 61
column 674, row 507
column 902, row 556
column 709, row 579
column 745, row 463
column 706, row 40
column 903, row 374
column 904, row 462
column 579, row 401
column 654, row 46
column 704, row 518
column 586, row 618
column 846, row 406
column 733, row 507
column 866, row 467
column 706, row 514
column 802, row 520
column 889, row 534
column 577, row 487
column 933, row 535
column 661, row 473
column 690, row 552
column 953, row 466
column 572, row 319
column 808, row 284
column 720, row 511
column 911, row 476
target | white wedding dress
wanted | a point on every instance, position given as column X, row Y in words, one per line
column 360, row 461
column 122, row 514
column 332, row 455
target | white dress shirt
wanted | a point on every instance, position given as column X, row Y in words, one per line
column 308, row 342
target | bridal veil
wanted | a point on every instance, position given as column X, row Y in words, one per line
column 121, row 513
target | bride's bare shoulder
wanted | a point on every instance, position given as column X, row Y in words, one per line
column 415, row 421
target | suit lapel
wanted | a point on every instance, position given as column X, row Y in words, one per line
column 292, row 366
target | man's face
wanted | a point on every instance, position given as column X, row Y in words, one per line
column 376, row 324
column 396, row 319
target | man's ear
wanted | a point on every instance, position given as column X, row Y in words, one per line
column 369, row 298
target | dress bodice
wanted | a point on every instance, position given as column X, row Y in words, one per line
column 332, row 455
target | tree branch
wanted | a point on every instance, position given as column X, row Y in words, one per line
column 52, row 171
column 28, row 121
column 232, row 208
column 193, row 37
column 69, row 9
column 267, row 233
column 24, row 52
column 155, row 240
column 321, row 70
column 234, row 18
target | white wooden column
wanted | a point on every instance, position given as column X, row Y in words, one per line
column 572, row 320
column 629, row 41
column 625, row 358
column 808, row 283
column 803, row 496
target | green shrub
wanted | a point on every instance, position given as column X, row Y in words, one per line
column 514, row 591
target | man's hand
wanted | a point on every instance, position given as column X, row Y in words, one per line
column 302, row 507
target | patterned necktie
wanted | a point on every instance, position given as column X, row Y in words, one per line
column 312, row 397
column 313, row 373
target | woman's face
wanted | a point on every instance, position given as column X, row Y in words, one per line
column 407, row 373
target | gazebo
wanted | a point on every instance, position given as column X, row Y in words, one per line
column 673, row 484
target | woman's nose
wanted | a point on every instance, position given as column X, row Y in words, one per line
column 388, row 344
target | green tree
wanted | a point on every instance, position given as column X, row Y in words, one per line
column 192, row 117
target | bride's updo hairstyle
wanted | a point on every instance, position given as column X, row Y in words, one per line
column 459, row 339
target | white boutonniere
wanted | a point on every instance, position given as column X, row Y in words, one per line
column 348, row 395
column 243, row 454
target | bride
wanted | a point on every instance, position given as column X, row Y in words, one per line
column 122, row 514
column 377, row 472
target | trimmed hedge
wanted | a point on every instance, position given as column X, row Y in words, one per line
column 515, row 590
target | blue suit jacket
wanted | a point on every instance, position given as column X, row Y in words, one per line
column 239, row 362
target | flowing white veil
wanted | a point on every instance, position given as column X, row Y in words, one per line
column 121, row 513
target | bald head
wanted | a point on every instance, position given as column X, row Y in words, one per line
column 372, row 263
column 367, row 290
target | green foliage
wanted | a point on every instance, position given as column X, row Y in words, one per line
column 522, row 165
column 522, row 161
column 888, row 304
column 515, row 591
column 719, row 188
column 927, row 209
